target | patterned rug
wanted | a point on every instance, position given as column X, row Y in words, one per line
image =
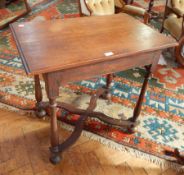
column 158, row 4
column 162, row 116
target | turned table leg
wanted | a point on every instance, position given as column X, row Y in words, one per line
column 138, row 106
column 40, row 112
column 107, row 95
column 108, row 86
column 52, row 89
column 54, row 137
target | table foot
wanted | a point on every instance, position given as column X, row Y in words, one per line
column 177, row 155
column 55, row 159
column 40, row 111
column 130, row 130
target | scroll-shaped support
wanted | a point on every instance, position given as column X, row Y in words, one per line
column 102, row 117
column 57, row 148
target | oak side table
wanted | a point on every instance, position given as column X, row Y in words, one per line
column 70, row 50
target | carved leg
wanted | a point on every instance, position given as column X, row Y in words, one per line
column 40, row 112
column 55, row 156
column 52, row 89
column 138, row 106
column 108, row 86
column 107, row 94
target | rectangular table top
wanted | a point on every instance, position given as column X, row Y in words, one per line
column 62, row 44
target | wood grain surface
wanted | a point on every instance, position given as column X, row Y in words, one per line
column 62, row 44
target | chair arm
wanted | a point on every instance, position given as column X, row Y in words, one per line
column 133, row 10
column 178, row 11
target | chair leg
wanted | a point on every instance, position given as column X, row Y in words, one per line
column 108, row 86
column 151, row 3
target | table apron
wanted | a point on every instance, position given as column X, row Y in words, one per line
column 111, row 66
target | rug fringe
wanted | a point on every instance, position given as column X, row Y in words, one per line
column 17, row 110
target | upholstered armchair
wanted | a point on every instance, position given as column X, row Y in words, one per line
column 174, row 23
column 108, row 7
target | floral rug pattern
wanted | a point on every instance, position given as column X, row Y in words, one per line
column 162, row 116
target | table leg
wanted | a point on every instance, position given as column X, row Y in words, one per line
column 176, row 154
column 107, row 95
column 108, row 86
column 52, row 89
column 54, row 137
column 138, row 106
column 40, row 112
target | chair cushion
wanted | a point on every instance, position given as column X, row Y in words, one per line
column 178, row 11
column 174, row 25
column 101, row 7
column 178, row 4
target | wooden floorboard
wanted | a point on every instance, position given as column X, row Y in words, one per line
column 24, row 143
